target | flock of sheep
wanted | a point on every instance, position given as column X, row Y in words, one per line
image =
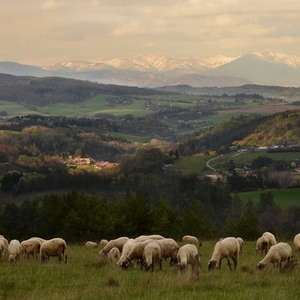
column 148, row 251
column 35, row 247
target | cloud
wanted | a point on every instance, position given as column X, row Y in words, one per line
column 51, row 5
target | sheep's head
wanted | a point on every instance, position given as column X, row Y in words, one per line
column 260, row 266
column 12, row 259
column 126, row 264
column 181, row 266
column 211, row 265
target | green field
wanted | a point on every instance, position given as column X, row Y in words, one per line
column 86, row 277
column 282, row 197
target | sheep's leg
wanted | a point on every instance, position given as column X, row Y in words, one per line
column 228, row 262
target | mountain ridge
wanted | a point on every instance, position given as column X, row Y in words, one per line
column 153, row 70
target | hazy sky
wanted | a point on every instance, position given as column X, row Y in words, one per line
column 41, row 32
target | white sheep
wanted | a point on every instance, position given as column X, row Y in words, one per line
column 125, row 251
column 152, row 255
column 114, row 255
column 5, row 242
column 169, row 249
column 149, row 237
column 54, row 247
column 190, row 239
column 281, row 252
column 119, row 243
column 188, row 255
column 136, row 254
column 271, row 238
column 226, row 248
column 14, row 251
column 91, row 244
column 2, row 248
column 32, row 247
column 297, row 242
column 262, row 245
column 241, row 242
column 103, row 243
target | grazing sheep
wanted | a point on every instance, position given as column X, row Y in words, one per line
column 271, row 238
column 103, row 243
column 136, row 254
column 2, row 248
column 152, row 255
column 226, row 248
column 143, row 238
column 281, row 252
column 119, row 243
column 14, row 251
column 169, row 249
column 40, row 239
column 241, row 242
column 114, row 255
column 297, row 242
column 91, row 244
column 32, row 247
column 189, row 239
column 262, row 245
column 5, row 242
column 54, row 247
column 188, row 255
column 125, row 251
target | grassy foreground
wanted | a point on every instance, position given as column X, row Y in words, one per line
column 85, row 277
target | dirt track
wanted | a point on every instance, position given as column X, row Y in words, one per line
column 268, row 109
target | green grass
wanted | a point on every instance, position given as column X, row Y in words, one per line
column 86, row 277
column 282, row 197
column 191, row 164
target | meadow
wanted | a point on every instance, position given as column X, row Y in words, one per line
column 86, row 277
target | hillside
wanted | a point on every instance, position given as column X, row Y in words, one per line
column 254, row 130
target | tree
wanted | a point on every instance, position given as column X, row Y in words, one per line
column 248, row 226
column 137, row 213
column 166, row 220
column 194, row 222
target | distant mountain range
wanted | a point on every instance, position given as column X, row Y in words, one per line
column 262, row 68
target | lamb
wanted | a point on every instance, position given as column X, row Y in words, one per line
column 241, row 242
column 226, row 248
column 262, row 245
column 114, row 255
column 54, row 247
column 119, row 243
column 188, row 255
column 281, row 252
column 189, row 239
column 152, row 255
column 125, row 251
column 271, row 238
column 297, row 242
column 32, row 247
column 169, row 249
column 14, row 251
column 91, row 244
column 103, row 243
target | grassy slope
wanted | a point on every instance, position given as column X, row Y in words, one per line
column 85, row 277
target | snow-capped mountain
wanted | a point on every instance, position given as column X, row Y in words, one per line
column 259, row 67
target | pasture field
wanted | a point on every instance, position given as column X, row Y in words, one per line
column 282, row 197
column 86, row 277
column 191, row 164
